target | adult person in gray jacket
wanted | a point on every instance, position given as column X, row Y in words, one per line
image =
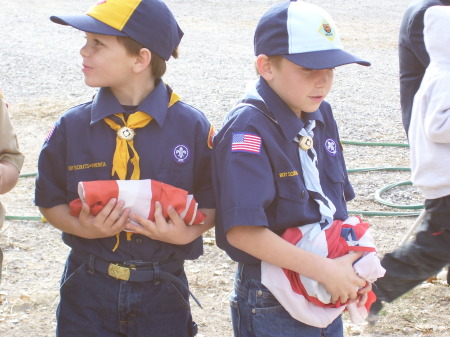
column 429, row 137
column 413, row 57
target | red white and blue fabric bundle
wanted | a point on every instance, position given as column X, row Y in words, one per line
column 139, row 196
column 306, row 299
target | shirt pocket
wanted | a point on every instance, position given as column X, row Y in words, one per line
column 292, row 189
column 180, row 177
column 79, row 173
column 335, row 186
column 291, row 201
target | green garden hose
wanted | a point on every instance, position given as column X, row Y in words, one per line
column 30, row 218
column 351, row 142
column 378, row 193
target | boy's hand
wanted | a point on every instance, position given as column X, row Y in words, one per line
column 173, row 230
column 362, row 294
column 340, row 279
column 112, row 219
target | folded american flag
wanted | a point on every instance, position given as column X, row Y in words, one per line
column 139, row 196
column 306, row 299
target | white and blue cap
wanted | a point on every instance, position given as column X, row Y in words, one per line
column 304, row 34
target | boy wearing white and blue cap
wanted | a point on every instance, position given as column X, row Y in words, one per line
column 278, row 163
column 122, row 278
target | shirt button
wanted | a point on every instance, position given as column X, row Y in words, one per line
column 254, row 311
column 259, row 293
column 138, row 240
column 303, row 194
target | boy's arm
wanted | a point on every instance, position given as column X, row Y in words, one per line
column 337, row 275
column 9, row 174
column 111, row 220
column 11, row 159
column 173, row 231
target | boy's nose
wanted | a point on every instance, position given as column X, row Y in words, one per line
column 84, row 51
column 323, row 77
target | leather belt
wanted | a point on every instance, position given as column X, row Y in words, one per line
column 136, row 270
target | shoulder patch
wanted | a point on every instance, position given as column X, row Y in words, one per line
column 211, row 135
column 246, row 142
column 50, row 133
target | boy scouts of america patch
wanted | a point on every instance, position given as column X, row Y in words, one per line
column 327, row 30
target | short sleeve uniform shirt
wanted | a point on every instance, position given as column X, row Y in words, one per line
column 173, row 149
column 261, row 184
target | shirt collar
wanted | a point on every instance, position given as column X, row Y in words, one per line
column 155, row 104
column 289, row 122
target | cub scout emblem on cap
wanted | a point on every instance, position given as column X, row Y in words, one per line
column 331, row 147
column 181, row 154
column 126, row 133
column 327, row 30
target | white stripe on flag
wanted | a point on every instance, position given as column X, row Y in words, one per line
column 137, row 195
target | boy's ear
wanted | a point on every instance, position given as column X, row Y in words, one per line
column 143, row 60
column 264, row 67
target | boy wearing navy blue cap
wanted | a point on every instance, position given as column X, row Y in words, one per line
column 122, row 279
column 263, row 170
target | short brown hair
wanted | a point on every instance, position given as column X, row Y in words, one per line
column 275, row 59
column 157, row 64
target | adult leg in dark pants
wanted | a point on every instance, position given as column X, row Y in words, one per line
column 419, row 259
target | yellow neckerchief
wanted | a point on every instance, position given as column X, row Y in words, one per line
column 124, row 139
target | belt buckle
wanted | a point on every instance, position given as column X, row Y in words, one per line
column 119, row 272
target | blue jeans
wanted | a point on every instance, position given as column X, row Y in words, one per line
column 96, row 304
column 255, row 312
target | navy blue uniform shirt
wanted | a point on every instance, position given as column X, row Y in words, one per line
column 81, row 148
column 266, row 187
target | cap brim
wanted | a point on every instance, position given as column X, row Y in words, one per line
column 325, row 59
column 86, row 23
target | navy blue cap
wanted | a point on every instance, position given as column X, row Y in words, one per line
column 304, row 34
column 149, row 22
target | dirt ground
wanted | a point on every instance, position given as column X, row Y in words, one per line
column 40, row 77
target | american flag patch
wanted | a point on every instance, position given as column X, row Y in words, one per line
column 246, row 142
